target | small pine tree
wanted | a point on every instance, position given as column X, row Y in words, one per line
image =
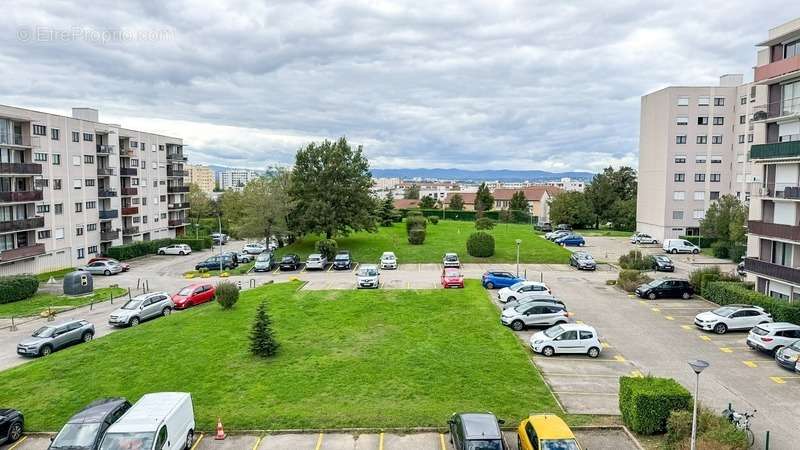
column 262, row 341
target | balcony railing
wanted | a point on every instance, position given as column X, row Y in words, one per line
column 130, row 191
column 783, row 108
column 126, row 152
column 108, row 214
column 176, row 157
column 22, row 252
column 177, row 222
column 109, row 235
column 177, row 189
column 781, row 190
column 772, row 270
column 21, row 140
column 776, row 230
column 105, row 149
column 777, row 68
column 105, row 171
column 21, row 224
column 130, row 230
column 128, row 171
column 777, row 150
column 20, row 169
column 21, row 196
column 104, row 193
column 176, row 173
column 130, row 211
column 184, row 205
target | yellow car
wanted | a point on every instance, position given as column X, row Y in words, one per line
column 545, row 432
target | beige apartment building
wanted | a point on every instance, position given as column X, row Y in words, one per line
column 202, row 176
column 693, row 146
column 72, row 186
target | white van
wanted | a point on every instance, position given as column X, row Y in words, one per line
column 159, row 421
column 679, row 246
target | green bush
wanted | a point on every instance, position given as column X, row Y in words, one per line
column 712, row 428
column 736, row 252
column 480, row 244
column 17, row 287
column 635, row 260
column 414, row 213
column 227, row 294
column 416, row 236
column 720, row 249
column 433, row 219
column 416, row 223
column 629, row 280
column 728, row 292
column 327, row 248
column 484, row 223
column 646, row 402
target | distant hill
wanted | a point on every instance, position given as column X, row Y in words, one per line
column 478, row 175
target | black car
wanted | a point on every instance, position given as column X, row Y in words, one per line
column 86, row 429
column 582, row 261
column 662, row 264
column 11, row 424
column 213, row 263
column 289, row 262
column 342, row 260
column 545, row 227
column 476, row 431
column 665, row 288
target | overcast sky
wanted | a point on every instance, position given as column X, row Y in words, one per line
column 469, row 84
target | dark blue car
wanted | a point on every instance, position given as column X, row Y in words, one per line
column 575, row 240
column 495, row 279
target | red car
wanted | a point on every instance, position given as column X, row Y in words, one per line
column 194, row 294
column 125, row 267
column 451, row 277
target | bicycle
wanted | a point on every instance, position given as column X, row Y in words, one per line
column 741, row 421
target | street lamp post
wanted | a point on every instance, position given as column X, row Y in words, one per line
column 518, row 241
column 698, row 365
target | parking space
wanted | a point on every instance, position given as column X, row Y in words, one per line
column 29, row 442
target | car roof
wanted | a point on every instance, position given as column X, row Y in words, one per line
column 315, row 255
column 549, row 426
column 140, row 417
column 480, row 426
column 149, row 294
column 450, row 254
column 61, row 324
column 368, row 266
column 779, row 326
column 743, row 306
column 531, row 283
column 97, row 411
column 577, row 326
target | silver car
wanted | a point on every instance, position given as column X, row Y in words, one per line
column 368, row 276
column 263, row 262
column 546, row 298
column 536, row 314
column 50, row 338
column 316, row 261
column 141, row 308
column 103, row 267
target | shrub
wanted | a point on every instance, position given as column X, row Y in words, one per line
column 728, row 292
column 142, row 248
column 227, row 294
column 646, row 402
column 262, row 339
column 416, row 223
column 736, row 252
column 433, row 219
column 327, row 248
column 635, row 260
column 480, row 244
column 415, row 213
column 712, row 428
column 17, row 287
column 720, row 249
column 629, row 280
column 484, row 223
column 416, row 236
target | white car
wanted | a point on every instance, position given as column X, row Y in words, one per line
column 532, row 298
column 254, row 248
column 388, row 260
column 368, row 276
column 162, row 420
column 175, row 249
column 244, row 257
column 732, row 317
column 535, row 314
column 643, row 238
column 567, row 338
column 521, row 290
column 770, row 337
column 316, row 261
column 679, row 246
column 451, row 260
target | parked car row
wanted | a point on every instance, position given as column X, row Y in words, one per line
column 566, row 238
column 481, row 431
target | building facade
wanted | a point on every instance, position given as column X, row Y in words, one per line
column 236, row 179
column 202, row 176
column 70, row 187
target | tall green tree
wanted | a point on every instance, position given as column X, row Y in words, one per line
column 725, row 220
column 572, row 208
column 624, row 214
column 427, row 202
column 265, row 205
column 199, row 202
column 608, row 187
column 456, row 202
column 518, row 202
column 330, row 190
column 230, row 207
column 484, row 201
column 411, row 192
column 386, row 210
column 262, row 338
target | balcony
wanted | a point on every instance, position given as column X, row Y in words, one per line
column 21, row 224
column 176, row 157
column 130, row 211
column 177, row 189
column 108, row 214
column 176, row 173
column 22, row 252
column 771, row 270
column 777, row 69
column 184, row 205
column 783, row 108
column 128, row 191
column 109, row 235
column 777, row 150
column 20, row 169
column 126, row 152
column 776, row 230
column 790, row 191
column 21, row 196
column 22, row 141
column 105, row 172
column 104, row 193
column 105, row 149
column 130, row 230
column 177, row 222
column 128, row 171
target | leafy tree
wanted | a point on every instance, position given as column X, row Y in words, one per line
column 456, row 202
column 386, row 210
column 265, row 206
column 608, row 187
column 330, row 190
column 231, row 208
column 484, row 201
column 217, row 188
column 411, row 192
column 572, row 208
column 518, row 202
column 725, row 221
column 262, row 339
column 624, row 214
column 427, row 202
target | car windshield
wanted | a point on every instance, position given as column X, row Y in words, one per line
column 287, row 259
column 553, row 331
column 725, row 311
column 451, row 258
column 132, row 304
column 44, row 332
column 655, row 283
column 388, row 256
column 263, row 258
column 662, row 258
column 451, row 273
column 185, row 291
column 484, row 444
column 760, row 331
column 560, row 444
column 76, row 435
column 795, row 346
column 313, row 258
column 516, row 286
column 127, row 441
column 342, row 257
column 367, row 272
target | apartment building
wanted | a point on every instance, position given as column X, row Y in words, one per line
column 773, row 241
column 71, row 186
column 568, row 184
column 236, row 179
column 693, row 146
column 202, row 176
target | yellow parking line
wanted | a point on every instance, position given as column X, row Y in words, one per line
column 636, row 374
column 196, row 443
column 380, row 442
column 655, row 309
column 686, row 327
column 605, row 345
column 330, row 268
column 705, row 338
column 726, row 350
column 18, row 443
column 750, row 364
column 441, row 441
column 408, row 285
column 355, row 267
column 642, row 302
column 276, row 271
column 778, row 380
column 619, row 358
column 579, row 322
column 319, row 442
column 258, row 441
column 669, row 317
column 419, row 267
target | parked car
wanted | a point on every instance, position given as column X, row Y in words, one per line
column 582, row 261
column 215, row 263
column 244, row 257
column 567, row 338
column 264, row 262
column 522, row 289
column 789, row 357
column 545, row 432
column 194, row 294
column 732, row 317
column 12, row 423
column 342, row 261
column 634, row 236
column 368, row 276
column 85, row 429
column 140, row 308
column 233, row 256
column 476, row 431
column 125, row 266
column 547, row 298
column 564, row 227
column 662, row 263
column 644, row 238
column 571, row 240
column 388, row 260
column 534, row 314
column 104, row 267
column 495, row 279
column 175, row 249
column 552, row 236
column 254, row 248
column 773, row 336
column 544, row 227
column 452, row 278
column 316, row 261
column 451, row 260
column 219, row 238
column 665, row 288
column 679, row 246
column 163, row 421
column 289, row 262
column 49, row 338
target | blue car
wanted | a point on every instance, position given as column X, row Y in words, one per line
column 495, row 279
column 571, row 240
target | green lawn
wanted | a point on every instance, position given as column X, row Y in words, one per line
column 57, row 274
column 42, row 301
column 446, row 236
column 384, row 358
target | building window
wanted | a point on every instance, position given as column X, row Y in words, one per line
column 134, row 162
column 791, row 49
column 680, row 177
column 702, row 139
column 80, row 253
column 699, row 177
column 91, row 205
column 76, row 137
column 89, row 182
column 698, row 214
column 40, row 157
column 683, row 101
column 42, row 182
column 92, row 249
column 56, row 159
column 716, row 159
column 716, row 139
column 144, row 219
column 702, row 101
column 41, row 209
column 77, row 183
column 680, row 139
column 79, row 230
column 719, row 101
column 78, row 207
column 742, row 120
column 680, row 159
column 134, row 144
column 743, row 100
column 91, row 227
column 713, row 195
column 699, row 195
column 39, row 130
column 719, row 121
column 56, row 184
column 59, row 233
column 88, row 137
column 741, row 139
column 144, row 201
column 702, row 120
column 88, row 159
column 679, row 195
column 681, row 121
column 750, row 137
column 58, row 208
column 44, row 234
column 716, row 177
column 677, row 215
column 76, row 160
column 55, row 134
column 700, row 159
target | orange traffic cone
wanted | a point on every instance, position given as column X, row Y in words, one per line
column 220, row 432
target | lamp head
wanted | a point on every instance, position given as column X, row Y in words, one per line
column 698, row 365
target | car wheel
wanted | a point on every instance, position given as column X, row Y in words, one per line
column 511, row 299
column 45, row 350
column 134, row 322
column 720, row 328
column 107, row 272
column 161, row 252
column 560, row 322
column 181, row 253
column 594, row 352
column 674, row 251
column 87, row 336
column 189, row 440
column 695, row 251
column 686, row 296
column 14, row 432
column 489, row 285
column 517, row 325
column 548, row 351
column 167, row 311
column 651, row 296
column 776, row 349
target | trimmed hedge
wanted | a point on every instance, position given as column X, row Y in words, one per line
column 142, row 248
column 480, row 244
column 728, row 292
column 416, row 236
column 471, row 216
column 484, row 223
column 327, row 247
column 17, row 287
column 416, row 223
column 647, row 402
